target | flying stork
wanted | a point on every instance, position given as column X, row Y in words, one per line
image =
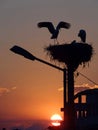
column 54, row 30
column 82, row 35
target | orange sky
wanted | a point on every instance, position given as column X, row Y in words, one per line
column 29, row 90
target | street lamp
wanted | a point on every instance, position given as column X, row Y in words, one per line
column 19, row 50
column 23, row 52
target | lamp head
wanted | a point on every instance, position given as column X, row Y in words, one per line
column 23, row 52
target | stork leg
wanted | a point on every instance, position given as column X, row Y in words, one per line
column 56, row 41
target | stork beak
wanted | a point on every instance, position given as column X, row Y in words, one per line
column 78, row 34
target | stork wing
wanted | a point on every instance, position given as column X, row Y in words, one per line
column 63, row 25
column 48, row 25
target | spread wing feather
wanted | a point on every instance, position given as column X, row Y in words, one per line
column 63, row 25
column 48, row 25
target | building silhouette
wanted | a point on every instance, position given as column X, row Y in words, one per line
column 86, row 109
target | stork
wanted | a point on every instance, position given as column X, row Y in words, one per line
column 54, row 30
column 82, row 35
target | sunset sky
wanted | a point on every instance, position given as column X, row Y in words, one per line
column 31, row 90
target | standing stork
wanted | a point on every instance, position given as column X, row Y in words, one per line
column 54, row 31
column 82, row 35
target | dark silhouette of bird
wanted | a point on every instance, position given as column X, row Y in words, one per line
column 54, row 30
column 82, row 35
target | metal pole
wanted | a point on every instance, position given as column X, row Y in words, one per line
column 71, row 111
column 21, row 51
column 64, row 98
column 47, row 63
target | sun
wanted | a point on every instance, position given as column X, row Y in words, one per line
column 56, row 120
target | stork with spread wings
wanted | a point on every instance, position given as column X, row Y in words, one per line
column 54, row 31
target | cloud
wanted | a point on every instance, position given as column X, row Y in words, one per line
column 13, row 88
column 60, row 89
column 81, row 87
column 4, row 90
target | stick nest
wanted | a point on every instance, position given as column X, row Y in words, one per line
column 72, row 55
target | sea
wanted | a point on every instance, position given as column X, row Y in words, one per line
column 24, row 124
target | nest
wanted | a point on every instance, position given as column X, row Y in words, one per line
column 72, row 55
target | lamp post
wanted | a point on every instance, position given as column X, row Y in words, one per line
column 28, row 55
column 68, row 85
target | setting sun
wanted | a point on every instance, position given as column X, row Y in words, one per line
column 56, row 120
